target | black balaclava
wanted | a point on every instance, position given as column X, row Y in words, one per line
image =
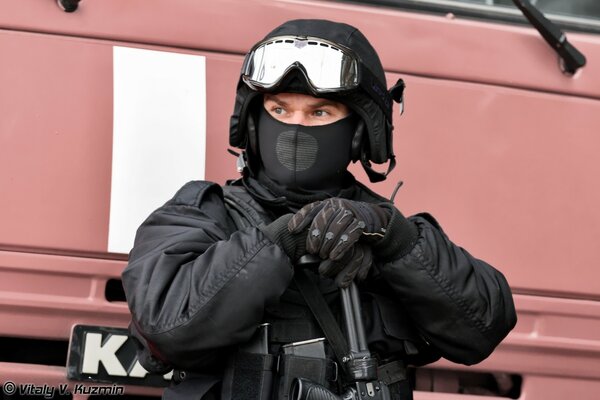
column 305, row 158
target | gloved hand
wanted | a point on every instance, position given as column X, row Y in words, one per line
column 355, row 264
column 337, row 224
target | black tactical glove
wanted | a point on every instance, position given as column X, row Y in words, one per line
column 337, row 224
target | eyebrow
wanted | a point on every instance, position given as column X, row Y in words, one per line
column 320, row 103
column 325, row 102
column 276, row 100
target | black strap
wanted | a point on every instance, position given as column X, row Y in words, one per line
column 392, row 372
column 320, row 309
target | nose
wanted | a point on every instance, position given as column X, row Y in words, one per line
column 298, row 118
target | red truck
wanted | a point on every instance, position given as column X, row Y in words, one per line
column 510, row 135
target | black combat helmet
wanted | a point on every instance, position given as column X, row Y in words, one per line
column 362, row 86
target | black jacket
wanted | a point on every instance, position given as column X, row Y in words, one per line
column 197, row 285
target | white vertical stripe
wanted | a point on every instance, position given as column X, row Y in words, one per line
column 159, row 134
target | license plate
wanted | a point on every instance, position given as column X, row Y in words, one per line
column 107, row 355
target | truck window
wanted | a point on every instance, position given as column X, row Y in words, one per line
column 575, row 15
column 587, row 9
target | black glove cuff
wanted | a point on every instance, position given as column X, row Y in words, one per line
column 294, row 245
column 399, row 239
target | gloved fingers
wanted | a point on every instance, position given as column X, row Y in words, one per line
column 357, row 266
column 346, row 240
column 359, row 213
column 372, row 215
column 317, row 230
column 305, row 216
column 351, row 268
column 366, row 263
column 335, row 235
column 325, row 230
column 328, row 230
column 329, row 268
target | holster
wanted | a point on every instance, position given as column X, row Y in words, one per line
column 318, row 370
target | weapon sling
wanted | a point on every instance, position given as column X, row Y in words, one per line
column 320, row 309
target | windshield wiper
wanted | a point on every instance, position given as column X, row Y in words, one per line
column 571, row 59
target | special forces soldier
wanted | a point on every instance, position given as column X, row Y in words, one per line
column 212, row 278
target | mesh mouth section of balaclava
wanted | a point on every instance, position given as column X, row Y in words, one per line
column 296, row 150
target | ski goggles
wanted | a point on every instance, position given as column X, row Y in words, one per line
column 327, row 67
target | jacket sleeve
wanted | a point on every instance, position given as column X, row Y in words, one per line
column 462, row 306
column 192, row 285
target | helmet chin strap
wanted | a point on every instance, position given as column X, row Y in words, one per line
column 373, row 175
column 396, row 92
column 247, row 161
column 357, row 140
column 252, row 135
column 358, row 153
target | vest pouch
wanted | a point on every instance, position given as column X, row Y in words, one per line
column 249, row 376
column 250, row 371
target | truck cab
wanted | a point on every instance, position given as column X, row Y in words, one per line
column 108, row 107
